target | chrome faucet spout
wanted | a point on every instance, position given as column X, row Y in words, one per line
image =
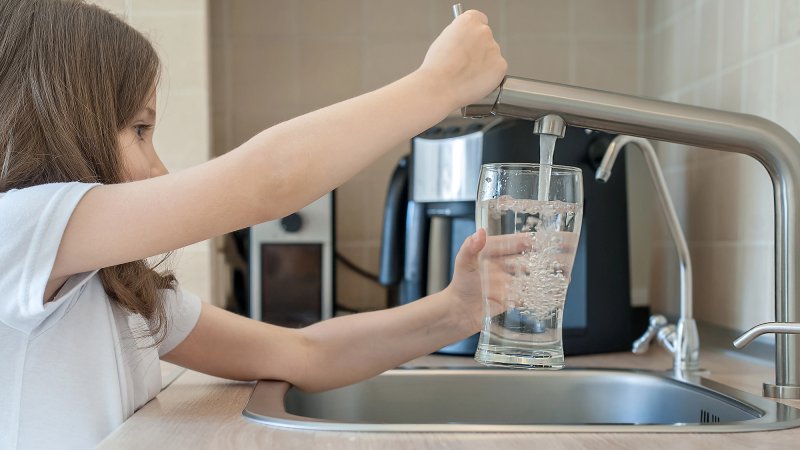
column 776, row 149
column 550, row 124
column 684, row 343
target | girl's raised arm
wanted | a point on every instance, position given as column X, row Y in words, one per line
column 283, row 168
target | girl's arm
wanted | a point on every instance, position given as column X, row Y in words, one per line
column 283, row 168
column 342, row 350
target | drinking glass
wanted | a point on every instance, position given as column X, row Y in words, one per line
column 526, row 263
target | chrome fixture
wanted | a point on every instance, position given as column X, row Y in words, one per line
column 656, row 329
column 770, row 390
column 550, row 124
column 682, row 341
column 776, row 149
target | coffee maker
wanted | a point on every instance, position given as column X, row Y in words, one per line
column 430, row 211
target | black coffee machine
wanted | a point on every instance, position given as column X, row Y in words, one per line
column 430, row 211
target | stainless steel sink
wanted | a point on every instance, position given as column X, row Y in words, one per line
column 494, row 400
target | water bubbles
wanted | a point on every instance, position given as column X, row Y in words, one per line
column 539, row 274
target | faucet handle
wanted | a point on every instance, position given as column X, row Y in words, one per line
column 782, row 388
column 764, row 328
column 641, row 345
column 668, row 336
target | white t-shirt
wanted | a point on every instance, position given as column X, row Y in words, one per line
column 73, row 369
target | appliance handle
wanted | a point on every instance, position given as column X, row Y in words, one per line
column 391, row 260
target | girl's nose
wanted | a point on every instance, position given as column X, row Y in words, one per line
column 157, row 167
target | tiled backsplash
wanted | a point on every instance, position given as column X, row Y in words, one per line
column 738, row 55
column 275, row 59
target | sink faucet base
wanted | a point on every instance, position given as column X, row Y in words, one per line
column 775, row 391
column 687, row 341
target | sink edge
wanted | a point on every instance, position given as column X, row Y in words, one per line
column 777, row 416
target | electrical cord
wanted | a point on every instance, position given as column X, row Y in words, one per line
column 355, row 268
column 363, row 273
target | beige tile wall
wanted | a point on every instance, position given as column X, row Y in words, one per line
column 179, row 31
column 275, row 59
column 738, row 55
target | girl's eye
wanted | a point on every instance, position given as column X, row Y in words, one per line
column 141, row 129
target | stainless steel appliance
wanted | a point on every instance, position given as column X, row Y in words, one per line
column 430, row 211
column 291, row 267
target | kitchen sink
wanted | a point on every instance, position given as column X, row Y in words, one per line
column 502, row 400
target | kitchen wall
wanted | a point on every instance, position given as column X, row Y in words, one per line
column 737, row 55
column 275, row 59
column 179, row 31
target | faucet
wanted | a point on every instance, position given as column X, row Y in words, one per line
column 772, row 390
column 759, row 138
column 550, row 124
column 682, row 341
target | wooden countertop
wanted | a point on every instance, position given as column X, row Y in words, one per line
column 200, row 411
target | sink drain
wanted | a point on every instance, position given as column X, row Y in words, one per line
column 707, row 417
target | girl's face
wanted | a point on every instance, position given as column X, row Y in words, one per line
column 136, row 144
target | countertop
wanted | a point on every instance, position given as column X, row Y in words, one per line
column 201, row 411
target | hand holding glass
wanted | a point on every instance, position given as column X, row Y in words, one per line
column 526, row 263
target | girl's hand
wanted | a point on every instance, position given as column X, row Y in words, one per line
column 465, row 288
column 465, row 59
column 485, row 267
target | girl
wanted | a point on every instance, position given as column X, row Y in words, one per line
column 84, row 199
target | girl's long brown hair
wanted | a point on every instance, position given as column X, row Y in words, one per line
column 72, row 76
